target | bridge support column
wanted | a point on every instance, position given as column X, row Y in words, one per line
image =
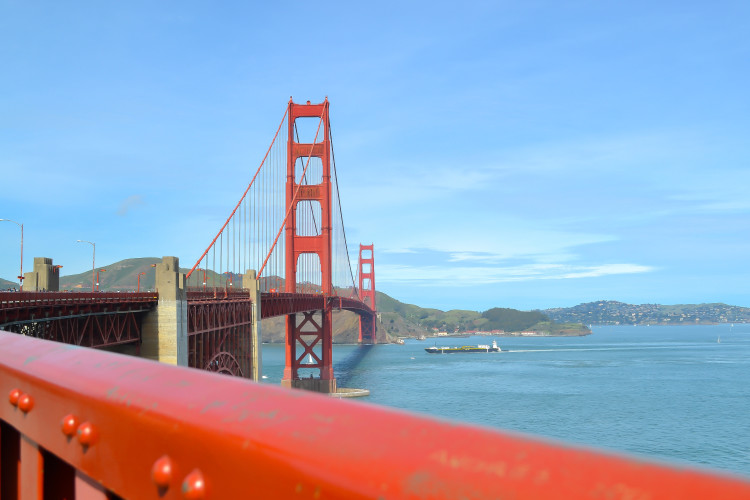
column 45, row 276
column 367, row 324
column 308, row 334
column 165, row 328
column 250, row 282
column 299, row 243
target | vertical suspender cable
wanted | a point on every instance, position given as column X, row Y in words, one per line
column 338, row 196
column 296, row 192
column 283, row 119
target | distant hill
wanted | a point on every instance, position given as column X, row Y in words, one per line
column 610, row 312
column 121, row 276
column 407, row 320
column 8, row 285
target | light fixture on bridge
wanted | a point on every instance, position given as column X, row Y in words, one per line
column 204, row 276
column 97, row 277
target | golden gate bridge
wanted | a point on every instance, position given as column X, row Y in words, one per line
column 88, row 423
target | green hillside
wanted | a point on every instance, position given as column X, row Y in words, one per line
column 120, row 276
column 8, row 285
column 611, row 312
column 407, row 320
column 512, row 320
column 123, row 276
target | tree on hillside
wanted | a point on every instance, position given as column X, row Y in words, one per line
column 511, row 320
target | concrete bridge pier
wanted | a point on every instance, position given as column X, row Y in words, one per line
column 165, row 329
column 250, row 282
column 45, row 276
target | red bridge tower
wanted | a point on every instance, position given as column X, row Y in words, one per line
column 310, row 332
column 367, row 328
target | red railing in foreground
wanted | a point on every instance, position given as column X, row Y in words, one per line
column 78, row 422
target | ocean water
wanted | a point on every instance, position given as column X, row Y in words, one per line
column 671, row 393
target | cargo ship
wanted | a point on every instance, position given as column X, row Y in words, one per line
column 464, row 348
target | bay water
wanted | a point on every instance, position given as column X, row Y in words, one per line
column 675, row 393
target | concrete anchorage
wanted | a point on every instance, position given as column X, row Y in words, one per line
column 251, row 283
column 165, row 329
column 44, row 277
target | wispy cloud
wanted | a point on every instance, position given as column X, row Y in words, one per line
column 472, row 241
column 473, row 276
column 128, row 203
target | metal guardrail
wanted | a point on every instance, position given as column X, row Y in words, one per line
column 74, row 297
column 86, row 422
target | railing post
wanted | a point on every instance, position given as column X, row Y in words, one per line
column 31, row 472
column 165, row 328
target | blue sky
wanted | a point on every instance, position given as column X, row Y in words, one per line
column 515, row 154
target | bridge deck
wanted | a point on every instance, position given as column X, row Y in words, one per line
column 86, row 319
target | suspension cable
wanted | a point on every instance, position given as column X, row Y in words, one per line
column 341, row 214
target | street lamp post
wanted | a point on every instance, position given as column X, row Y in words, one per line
column 20, row 276
column 204, row 277
column 139, row 281
column 93, row 261
column 97, row 277
column 154, row 266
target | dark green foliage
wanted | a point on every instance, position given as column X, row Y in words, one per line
column 410, row 320
column 511, row 320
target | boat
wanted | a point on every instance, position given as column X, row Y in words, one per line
column 464, row 348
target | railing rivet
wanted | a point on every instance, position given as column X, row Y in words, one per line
column 161, row 472
column 194, row 487
column 87, row 434
column 25, row 403
column 13, row 397
column 69, row 425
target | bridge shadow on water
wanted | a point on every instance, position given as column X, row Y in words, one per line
column 346, row 368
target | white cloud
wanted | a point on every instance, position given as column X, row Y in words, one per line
column 128, row 203
column 508, row 239
column 472, row 276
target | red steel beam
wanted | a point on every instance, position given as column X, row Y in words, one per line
column 141, row 429
column 23, row 306
column 280, row 304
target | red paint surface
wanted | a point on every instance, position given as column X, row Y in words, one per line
column 250, row 440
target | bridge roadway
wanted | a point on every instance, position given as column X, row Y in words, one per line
column 105, row 319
